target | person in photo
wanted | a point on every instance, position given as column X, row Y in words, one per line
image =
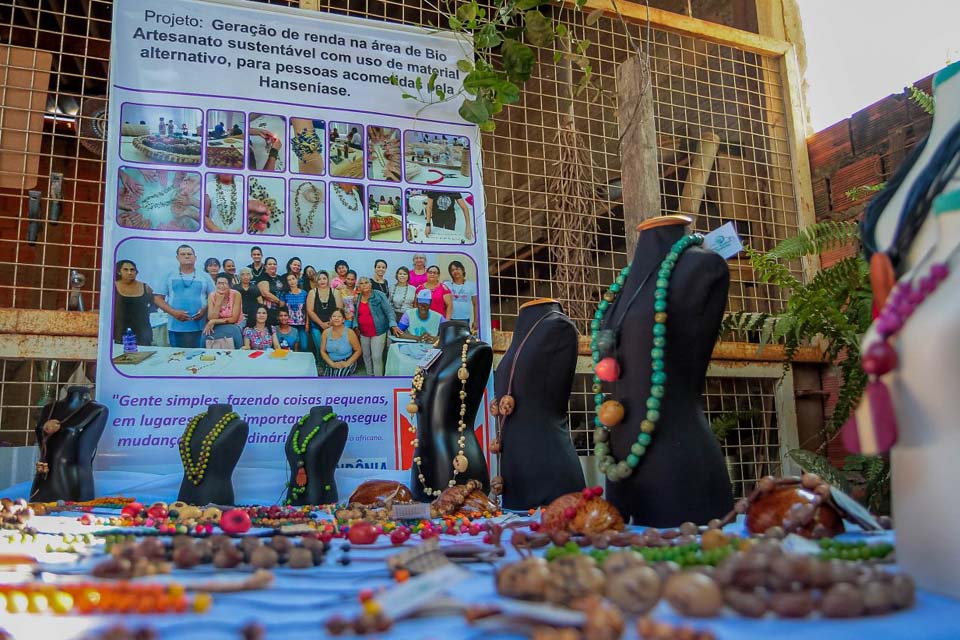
column 441, row 212
column 374, row 319
column 339, row 348
column 224, row 307
column 183, row 296
column 288, row 336
column 258, row 334
column 131, row 304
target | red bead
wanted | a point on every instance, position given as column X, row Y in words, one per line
column 569, row 513
column 534, row 526
column 366, row 594
column 157, row 512
column 235, row 521
column 86, row 519
column 597, row 491
column 363, row 533
column 487, row 538
column 132, row 510
column 880, row 358
column 474, row 530
column 608, row 370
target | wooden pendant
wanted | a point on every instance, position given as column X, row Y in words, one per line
column 882, row 279
column 507, row 405
column 51, row 426
column 496, row 446
column 301, row 476
column 460, row 463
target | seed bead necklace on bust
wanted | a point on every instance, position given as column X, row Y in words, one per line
column 460, row 461
column 306, row 227
column 228, row 211
column 501, row 408
column 195, row 471
column 603, row 343
column 299, row 486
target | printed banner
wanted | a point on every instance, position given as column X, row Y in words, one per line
column 264, row 175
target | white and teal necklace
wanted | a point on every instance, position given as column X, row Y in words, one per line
column 603, row 345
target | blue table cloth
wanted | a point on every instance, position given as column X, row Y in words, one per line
column 301, row 600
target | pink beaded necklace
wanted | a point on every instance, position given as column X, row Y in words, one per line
column 872, row 428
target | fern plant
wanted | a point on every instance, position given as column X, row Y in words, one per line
column 834, row 306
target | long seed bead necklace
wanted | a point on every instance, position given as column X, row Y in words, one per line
column 259, row 192
column 299, row 485
column 51, row 426
column 195, row 471
column 305, row 227
column 460, row 461
column 354, row 203
column 228, row 211
column 610, row 412
column 160, row 200
column 501, row 408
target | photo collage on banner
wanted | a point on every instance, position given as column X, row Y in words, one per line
column 252, row 211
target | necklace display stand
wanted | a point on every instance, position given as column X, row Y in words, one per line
column 538, row 461
column 319, row 459
column 923, row 384
column 439, row 413
column 69, row 451
column 682, row 477
column 216, row 486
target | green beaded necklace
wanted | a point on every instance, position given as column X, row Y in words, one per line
column 195, row 472
column 607, row 369
column 299, row 486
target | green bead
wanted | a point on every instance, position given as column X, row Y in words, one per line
column 596, row 421
column 597, row 317
column 644, row 439
column 660, row 305
column 620, row 280
column 638, row 449
column 653, row 415
column 596, row 379
column 615, row 287
column 660, row 294
column 595, row 325
column 633, row 461
column 658, row 377
column 657, row 365
column 603, row 305
column 596, row 356
column 657, row 390
column 626, row 270
column 657, row 353
column 598, row 398
column 663, row 283
column 653, row 403
column 601, row 435
column 659, row 341
column 659, row 329
column 664, row 273
column 673, row 255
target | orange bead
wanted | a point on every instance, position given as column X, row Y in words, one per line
column 610, row 413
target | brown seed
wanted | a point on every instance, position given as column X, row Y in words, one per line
column 713, row 539
column 619, row 561
column 281, row 544
column 264, row 558
column 810, row 481
column 227, row 557
column 300, row 558
column 635, row 590
column 689, row 529
column 877, row 597
column 716, row 523
column 186, row 557
column 904, row 591
column 795, row 604
column 693, row 594
column 842, row 600
column 751, row 604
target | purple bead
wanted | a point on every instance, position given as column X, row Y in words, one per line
column 885, row 325
column 880, row 358
column 940, row 271
column 915, row 297
column 928, row 284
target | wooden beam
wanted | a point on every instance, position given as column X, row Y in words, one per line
column 639, row 170
column 701, row 166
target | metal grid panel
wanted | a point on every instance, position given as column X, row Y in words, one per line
column 751, row 449
column 27, row 385
column 551, row 169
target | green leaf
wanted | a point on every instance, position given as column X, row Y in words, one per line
column 508, row 92
column 394, row 80
column 487, row 37
column 582, row 46
column 813, row 463
column 432, row 82
column 581, row 4
column 455, row 24
column 467, row 11
column 557, row 56
column 476, row 81
column 419, row 83
column 488, row 126
column 441, row 94
column 407, row 96
column 594, row 16
column 561, row 30
column 475, row 111
column 524, row 5
column 538, row 28
column 465, row 65
column 518, row 60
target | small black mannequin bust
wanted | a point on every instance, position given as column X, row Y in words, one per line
column 69, row 451
column 438, row 416
column 538, row 461
column 217, row 484
column 319, row 460
column 682, row 477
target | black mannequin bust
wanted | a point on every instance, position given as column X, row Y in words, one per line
column 438, row 416
column 319, row 460
column 538, row 461
column 682, row 477
column 217, row 484
column 68, row 452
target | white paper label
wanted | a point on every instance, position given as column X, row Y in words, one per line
column 854, row 510
column 409, row 596
column 724, row 241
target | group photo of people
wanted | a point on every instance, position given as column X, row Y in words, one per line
column 309, row 311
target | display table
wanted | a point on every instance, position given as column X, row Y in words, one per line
column 300, row 600
column 179, row 363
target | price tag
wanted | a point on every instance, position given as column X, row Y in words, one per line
column 421, row 590
column 724, row 241
column 429, row 358
column 855, row 511
column 412, row 511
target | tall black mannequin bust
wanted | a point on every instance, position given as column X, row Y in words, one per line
column 215, row 484
column 538, row 461
column 68, row 433
column 682, row 476
column 318, row 456
column 438, row 414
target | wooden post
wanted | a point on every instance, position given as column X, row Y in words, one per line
column 701, row 166
column 639, row 172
